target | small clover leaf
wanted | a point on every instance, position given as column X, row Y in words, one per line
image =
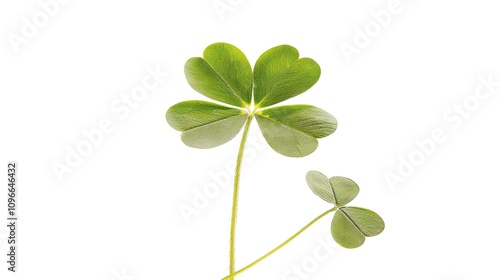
column 225, row 75
column 345, row 189
column 350, row 225
column 337, row 190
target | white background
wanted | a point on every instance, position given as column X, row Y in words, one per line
column 117, row 215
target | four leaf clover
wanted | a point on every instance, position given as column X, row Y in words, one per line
column 350, row 225
column 225, row 75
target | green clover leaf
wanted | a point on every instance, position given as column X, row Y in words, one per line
column 337, row 190
column 280, row 75
column 217, row 124
column 350, row 225
column 293, row 130
column 225, row 75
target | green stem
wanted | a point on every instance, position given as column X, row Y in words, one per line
column 232, row 275
column 236, row 191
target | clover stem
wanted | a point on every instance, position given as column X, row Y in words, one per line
column 236, row 191
column 232, row 275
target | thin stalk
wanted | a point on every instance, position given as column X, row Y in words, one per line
column 232, row 275
column 236, row 191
